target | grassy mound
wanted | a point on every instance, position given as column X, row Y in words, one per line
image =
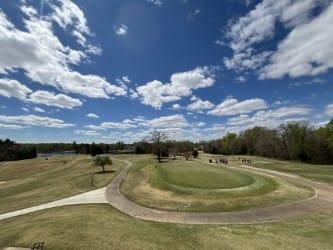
column 193, row 175
column 196, row 186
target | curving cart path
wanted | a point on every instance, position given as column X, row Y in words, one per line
column 322, row 200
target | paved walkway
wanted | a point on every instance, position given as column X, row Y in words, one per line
column 111, row 194
column 322, row 200
column 95, row 196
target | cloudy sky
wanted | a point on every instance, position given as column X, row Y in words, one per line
column 111, row 70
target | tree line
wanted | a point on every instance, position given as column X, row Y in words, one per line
column 296, row 141
column 81, row 148
column 11, row 151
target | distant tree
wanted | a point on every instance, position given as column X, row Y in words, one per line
column 187, row 155
column 195, row 153
column 158, row 138
column 120, row 145
column 75, row 147
column 101, row 161
column 11, row 151
column 96, row 149
column 143, row 147
column 329, row 131
column 294, row 136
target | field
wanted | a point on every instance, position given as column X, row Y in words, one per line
column 322, row 173
column 32, row 182
column 103, row 227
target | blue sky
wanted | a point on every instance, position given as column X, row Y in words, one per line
column 113, row 70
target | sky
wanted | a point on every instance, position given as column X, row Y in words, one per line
column 114, row 70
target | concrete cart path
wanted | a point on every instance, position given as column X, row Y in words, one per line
column 95, row 196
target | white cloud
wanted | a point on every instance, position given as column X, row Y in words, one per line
column 156, row 2
column 299, row 54
column 40, row 110
column 45, row 59
column 133, row 94
column 329, row 110
column 126, row 79
column 191, row 16
column 270, row 118
column 172, row 121
column 87, row 132
column 10, row 126
column 176, row 106
column 34, row 120
column 310, row 82
column 92, row 115
column 121, row 30
column 12, row 88
column 215, row 127
column 246, row 60
column 125, row 124
column 241, row 79
column 155, row 94
column 56, row 100
column 307, row 50
column 123, row 82
column 199, row 105
column 201, row 124
column 231, row 106
column 320, row 124
column 67, row 14
column 260, row 23
column 181, row 84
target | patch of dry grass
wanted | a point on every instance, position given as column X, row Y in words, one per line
column 28, row 183
column 102, row 227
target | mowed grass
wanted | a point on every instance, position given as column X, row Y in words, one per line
column 200, row 187
column 32, row 182
column 192, row 174
column 102, row 227
column 322, row 173
column 316, row 172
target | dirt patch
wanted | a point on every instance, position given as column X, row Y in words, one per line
column 3, row 182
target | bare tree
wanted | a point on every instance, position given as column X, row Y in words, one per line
column 158, row 138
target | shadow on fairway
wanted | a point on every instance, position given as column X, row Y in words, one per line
column 106, row 172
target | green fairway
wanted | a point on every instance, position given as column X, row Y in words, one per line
column 316, row 172
column 196, row 186
column 195, row 175
column 102, row 227
column 32, row 182
column 322, row 173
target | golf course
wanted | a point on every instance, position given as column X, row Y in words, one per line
column 166, row 125
column 158, row 205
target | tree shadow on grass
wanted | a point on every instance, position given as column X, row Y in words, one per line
column 106, row 172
